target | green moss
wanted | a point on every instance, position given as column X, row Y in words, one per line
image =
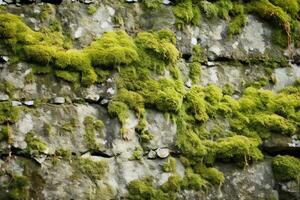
column 7, row 87
column 72, row 77
column 224, row 7
column 239, row 149
column 273, row 123
column 156, row 45
column 238, row 20
column 95, row 170
column 213, row 175
column 170, row 165
column 185, row 13
column 91, row 9
column 289, row 6
column 112, row 49
column 279, row 37
column 209, row 9
column 90, row 134
column 99, row 125
column 276, row 14
column 6, row 134
column 144, row 189
column 173, row 184
column 195, row 103
column 137, row 154
column 29, row 78
column 228, row 89
column 153, row 4
column 17, row 188
column 118, row 109
column 286, row 168
column 193, row 181
column 47, row 128
column 195, row 72
column 54, row 25
column 35, row 146
column 8, row 113
column 40, row 54
column 64, row 153
column 41, row 70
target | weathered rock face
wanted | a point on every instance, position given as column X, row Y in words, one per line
column 68, row 144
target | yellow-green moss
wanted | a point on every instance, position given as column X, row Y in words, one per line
column 90, row 133
column 91, row 9
column 17, row 188
column 144, row 189
column 35, row 146
column 286, row 168
column 137, row 154
column 185, row 13
column 95, row 170
column 170, row 165
column 6, row 134
column 112, row 49
column 153, row 4
column 239, row 149
column 8, row 113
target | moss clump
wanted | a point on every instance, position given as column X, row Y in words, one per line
column 17, row 188
column 7, row 87
column 112, row 49
column 91, row 9
column 213, row 175
column 72, row 77
column 209, row 9
column 95, row 170
column 35, row 146
column 172, row 185
column 158, row 45
column 289, row 6
column 153, row 4
column 185, row 13
column 8, row 113
column 118, row 109
column 170, row 165
column 276, row 14
column 193, row 181
column 239, row 149
column 238, row 20
column 6, row 134
column 137, row 154
column 195, row 103
column 195, row 72
column 144, row 189
column 29, row 78
column 90, row 133
column 286, row 168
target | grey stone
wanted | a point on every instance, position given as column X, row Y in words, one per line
column 131, row 1
column 162, row 152
column 4, row 97
column 29, row 103
column 104, row 101
column 152, row 154
column 166, row 2
column 92, row 97
column 16, row 103
column 59, row 100
column 4, row 58
column 9, row 1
